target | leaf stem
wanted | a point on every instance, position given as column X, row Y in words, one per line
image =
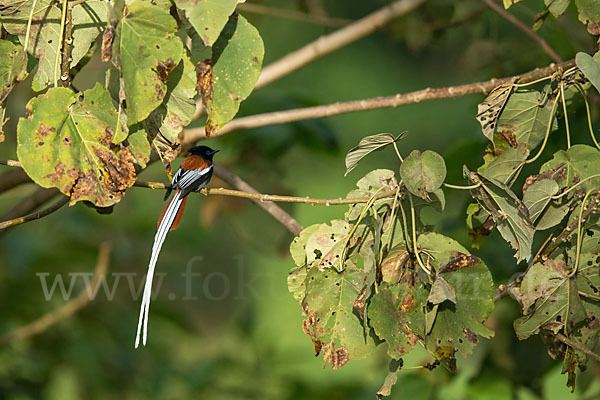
column 29, row 20
column 63, row 21
column 362, row 215
column 414, row 235
column 577, row 346
column 588, row 113
column 579, row 240
column 548, row 129
column 397, row 152
column 564, row 103
column 558, row 196
column 462, row 187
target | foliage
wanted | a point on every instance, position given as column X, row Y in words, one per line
column 382, row 274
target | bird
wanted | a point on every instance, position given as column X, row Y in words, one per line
column 193, row 174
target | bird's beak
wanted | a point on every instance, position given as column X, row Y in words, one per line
column 214, row 151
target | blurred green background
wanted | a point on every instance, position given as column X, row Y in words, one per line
column 234, row 331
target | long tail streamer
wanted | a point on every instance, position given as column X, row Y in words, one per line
column 170, row 214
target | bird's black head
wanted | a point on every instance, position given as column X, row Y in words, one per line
column 203, row 151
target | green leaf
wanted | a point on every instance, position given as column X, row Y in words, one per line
column 298, row 245
column 489, row 110
column 66, row 142
column 331, row 320
column 383, row 179
column 510, row 214
column 367, row 145
column 167, row 121
column 208, row 17
column 557, row 7
column 149, row 51
column 504, row 167
column 550, row 300
column 12, row 67
column 589, row 11
column 538, row 195
column 139, row 146
column 568, row 167
column 394, row 264
column 297, row 276
column 326, row 245
column 526, row 116
column 236, row 63
column 508, row 3
column 391, row 378
column 590, row 68
column 458, row 325
column 480, row 224
column 423, row 173
column 89, row 20
column 441, row 291
column 397, row 317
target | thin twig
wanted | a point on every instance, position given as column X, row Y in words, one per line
column 516, row 22
column 277, row 212
column 253, row 195
column 30, row 203
column 13, row 178
column 294, row 15
column 37, row 215
column 329, row 110
column 46, row 321
column 577, row 346
column 327, row 44
column 10, row 163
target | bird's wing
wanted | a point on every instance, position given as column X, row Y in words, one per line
column 193, row 180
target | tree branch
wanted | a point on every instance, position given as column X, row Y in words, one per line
column 254, row 195
column 269, row 206
column 299, row 114
column 46, row 321
column 13, row 178
column 577, row 346
column 327, row 44
column 30, row 203
column 32, row 217
column 513, row 20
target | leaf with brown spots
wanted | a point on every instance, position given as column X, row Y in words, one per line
column 391, row 378
column 13, row 65
column 66, row 142
column 148, row 49
column 510, row 214
column 235, row 66
column 165, row 124
column 208, row 17
column 526, row 117
column 44, row 31
column 458, row 323
column 489, row 110
column 397, row 316
column 107, row 41
column 336, row 357
column 329, row 305
column 574, row 165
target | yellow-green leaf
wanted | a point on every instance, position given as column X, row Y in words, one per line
column 66, row 142
column 149, row 51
